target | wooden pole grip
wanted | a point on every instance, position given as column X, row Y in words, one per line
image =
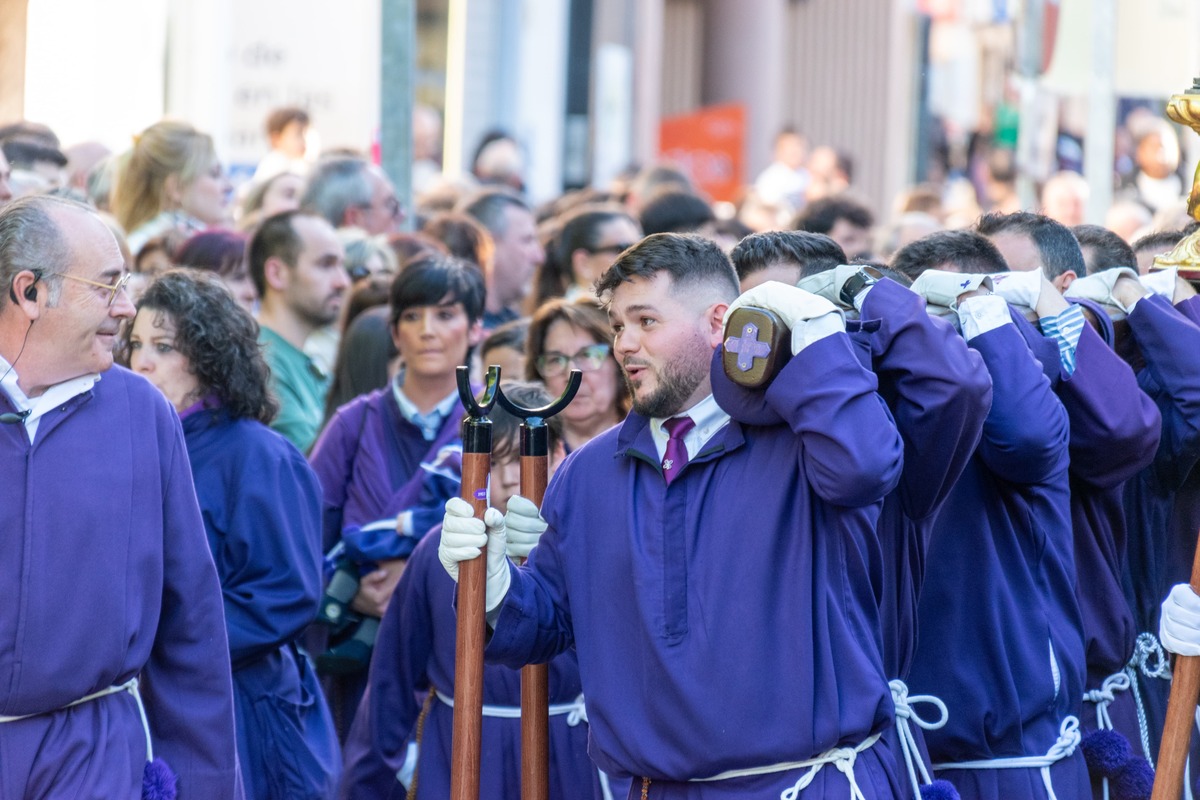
column 1181, row 716
column 470, row 637
column 535, row 678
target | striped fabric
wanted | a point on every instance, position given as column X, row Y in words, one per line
column 1066, row 328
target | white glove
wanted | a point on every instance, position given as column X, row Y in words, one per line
column 1161, row 281
column 462, row 538
column 978, row 315
column 1179, row 626
column 1018, row 288
column 941, row 288
column 525, row 526
column 1099, row 287
column 810, row 317
column 828, row 284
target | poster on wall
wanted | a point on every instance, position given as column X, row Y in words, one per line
column 709, row 144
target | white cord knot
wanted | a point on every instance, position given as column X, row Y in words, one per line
column 578, row 712
column 1068, row 739
column 918, row 773
column 1147, row 647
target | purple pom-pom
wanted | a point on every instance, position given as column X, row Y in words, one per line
column 1134, row 781
column 158, row 781
column 1106, row 752
column 939, row 790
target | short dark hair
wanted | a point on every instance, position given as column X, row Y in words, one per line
column 218, row 337
column 1056, row 245
column 280, row 118
column 1158, row 241
column 275, row 237
column 811, row 252
column 511, row 334
column 1103, row 249
column 673, row 211
column 428, row 280
column 23, row 152
column 506, row 429
column 968, row 251
column 821, row 215
column 689, row 259
column 488, row 207
column 219, row 251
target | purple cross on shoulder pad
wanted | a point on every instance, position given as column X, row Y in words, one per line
column 748, row 347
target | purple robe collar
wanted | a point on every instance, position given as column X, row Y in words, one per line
column 210, row 401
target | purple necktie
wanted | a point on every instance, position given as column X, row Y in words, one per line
column 676, row 454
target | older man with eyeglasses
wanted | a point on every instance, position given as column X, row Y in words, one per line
column 113, row 642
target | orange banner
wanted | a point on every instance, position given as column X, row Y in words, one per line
column 709, row 145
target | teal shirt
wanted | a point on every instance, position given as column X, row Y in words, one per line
column 300, row 387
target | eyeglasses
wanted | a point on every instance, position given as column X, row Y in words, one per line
column 591, row 358
column 113, row 288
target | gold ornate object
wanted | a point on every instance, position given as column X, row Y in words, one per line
column 1185, row 109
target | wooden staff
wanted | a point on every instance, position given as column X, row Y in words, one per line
column 1181, row 715
column 472, row 593
column 535, row 678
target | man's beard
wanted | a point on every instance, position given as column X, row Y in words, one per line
column 676, row 383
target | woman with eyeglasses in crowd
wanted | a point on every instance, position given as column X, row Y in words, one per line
column 261, row 504
column 586, row 243
column 574, row 334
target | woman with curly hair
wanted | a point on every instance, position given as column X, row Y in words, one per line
column 261, row 505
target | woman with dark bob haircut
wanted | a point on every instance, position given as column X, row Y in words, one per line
column 566, row 335
column 261, row 505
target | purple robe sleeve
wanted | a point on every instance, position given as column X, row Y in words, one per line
column 1114, row 424
column 937, row 388
column 387, row 716
column 1026, row 432
column 1170, row 344
column 332, row 458
column 849, row 446
column 188, row 691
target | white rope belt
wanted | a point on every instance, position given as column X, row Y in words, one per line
column 130, row 686
column 905, row 717
column 576, row 712
column 841, row 757
column 1068, row 740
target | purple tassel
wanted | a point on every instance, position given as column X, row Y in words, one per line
column 939, row 790
column 1106, row 752
column 158, row 781
column 1134, row 781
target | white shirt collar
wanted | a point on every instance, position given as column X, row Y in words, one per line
column 429, row 423
column 50, row 399
column 709, row 418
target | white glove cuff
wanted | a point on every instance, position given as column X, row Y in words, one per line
column 1161, row 282
column 813, row 330
column 1179, row 625
column 979, row 315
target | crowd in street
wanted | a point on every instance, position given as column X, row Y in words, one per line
column 942, row 552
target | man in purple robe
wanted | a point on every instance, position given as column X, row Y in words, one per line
column 113, row 644
column 1000, row 630
column 713, row 576
column 1114, row 435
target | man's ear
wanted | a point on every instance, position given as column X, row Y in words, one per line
column 1063, row 281
column 276, row 273
column 716, row 322
column 354, row 217
column 26, row 300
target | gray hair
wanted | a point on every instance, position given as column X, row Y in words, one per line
column 335, row 185
column 31, row 240
column 487, row 207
